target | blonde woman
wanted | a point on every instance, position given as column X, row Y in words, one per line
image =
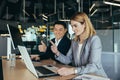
column 85, row 51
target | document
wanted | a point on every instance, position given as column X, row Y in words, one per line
column 89, row 77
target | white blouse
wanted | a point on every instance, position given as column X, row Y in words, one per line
column 78, row 52
column 57, row 41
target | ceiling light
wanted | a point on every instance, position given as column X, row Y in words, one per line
column 34, row 16
column 117, row 0
column 44, row 16
column 92, row 7
column 45, row 19
column 94, row 12
column 26, row 12
column 111, row 3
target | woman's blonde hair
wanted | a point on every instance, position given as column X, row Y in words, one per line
column 83, row 19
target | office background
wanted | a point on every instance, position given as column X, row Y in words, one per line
column 104, row 14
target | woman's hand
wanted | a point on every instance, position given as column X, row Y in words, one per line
column 42, row 47
column 66, row 71
column 54, row 48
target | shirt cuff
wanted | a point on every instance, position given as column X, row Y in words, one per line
column 76, row 71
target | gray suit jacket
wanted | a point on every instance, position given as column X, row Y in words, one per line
column 89, row 58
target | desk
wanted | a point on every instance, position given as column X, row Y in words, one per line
column 20, row 72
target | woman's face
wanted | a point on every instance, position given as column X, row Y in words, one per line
column 77, row 27
column 59, row 31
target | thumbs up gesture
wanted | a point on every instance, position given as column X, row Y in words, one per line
column 42, row 47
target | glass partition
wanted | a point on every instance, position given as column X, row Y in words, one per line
column 106, row 21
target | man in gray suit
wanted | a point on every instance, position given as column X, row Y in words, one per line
column 85, row 51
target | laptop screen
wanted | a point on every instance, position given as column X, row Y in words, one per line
column 15, row 36
column 27, row 59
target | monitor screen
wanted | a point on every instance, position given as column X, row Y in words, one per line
column 15, row 36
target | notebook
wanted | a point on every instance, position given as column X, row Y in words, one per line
column 38, row 71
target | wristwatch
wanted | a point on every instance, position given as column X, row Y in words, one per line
column 76, row 71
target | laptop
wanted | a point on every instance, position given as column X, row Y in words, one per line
column 38, row 71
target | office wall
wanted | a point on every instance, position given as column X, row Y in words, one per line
column 106, row 37
column 111, row 52
column 110, row 40
column 117, row 40
column 111, row 64
column 3, row 46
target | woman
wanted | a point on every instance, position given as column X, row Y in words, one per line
column 85, row 51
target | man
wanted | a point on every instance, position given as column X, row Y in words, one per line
column 61, row 41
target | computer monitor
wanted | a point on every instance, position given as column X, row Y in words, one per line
column 15, row 37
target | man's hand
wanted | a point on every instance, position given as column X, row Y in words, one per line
column 54, row 48
column 42, row 47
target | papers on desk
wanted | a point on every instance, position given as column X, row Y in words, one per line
column 89, row 77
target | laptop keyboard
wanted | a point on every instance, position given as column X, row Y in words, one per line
column 43, row 70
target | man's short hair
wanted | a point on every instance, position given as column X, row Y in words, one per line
column 61, row 23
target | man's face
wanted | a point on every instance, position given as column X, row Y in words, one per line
column 59, row 31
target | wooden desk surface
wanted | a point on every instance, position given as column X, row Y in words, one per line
column 20, row 72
